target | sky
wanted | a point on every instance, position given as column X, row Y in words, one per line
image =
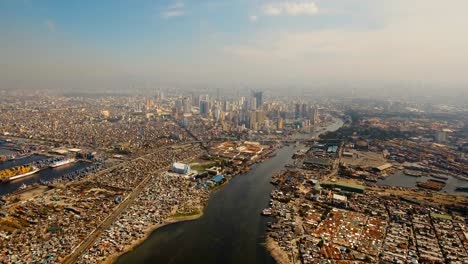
column 230, row 44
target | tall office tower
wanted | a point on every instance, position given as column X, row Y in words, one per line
column 245, row 105
column 179, row 105
column 258, row 98
column 160, row 95
column 205, row 98
column 242, row 100
column 280, row 124
column 253, row 120
column 205, row 108
column 260, row 117
column 304, row 110
column 314, row 118
column 242, row 117
column 297, row 112
column 226, row 106
column 217, row 113
column 195, row 100
column 187, row 105
column 149, row 104
column 253, row 104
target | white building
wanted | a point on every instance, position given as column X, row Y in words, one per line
column 181, row 168
column 440, row 136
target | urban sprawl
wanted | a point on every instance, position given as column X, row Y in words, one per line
column 388, row 186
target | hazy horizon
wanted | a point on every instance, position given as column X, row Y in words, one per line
column 381, row 47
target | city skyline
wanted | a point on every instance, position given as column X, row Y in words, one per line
column 233, row 131
column 278, row 45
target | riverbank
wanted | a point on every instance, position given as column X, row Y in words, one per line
column 276, row 252
column 231, row 217
column 171, row 220
column 200, row 208
column 175, row 218
column 135, row 243
column 31, row 192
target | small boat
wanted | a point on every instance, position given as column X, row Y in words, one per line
column 412, row 173
column 439, row 176
column 370, row 179
column 62, row 162
column 267, row 212
column 461, row 189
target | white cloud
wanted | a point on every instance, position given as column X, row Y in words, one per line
column 50, row 25
column 272, row 10
column 177, row 5
column 175, row 10
column 405, row 47
column 291, row 8
column 172, row 13
column 253, row 18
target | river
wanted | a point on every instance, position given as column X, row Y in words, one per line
column 231, row 229
column 4, row 151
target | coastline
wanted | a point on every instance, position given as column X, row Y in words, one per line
column 153, row 227
column 276, row 252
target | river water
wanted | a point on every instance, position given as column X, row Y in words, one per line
column 47, row 174
column 4, row 151
column 399, row 179
column 231, row 229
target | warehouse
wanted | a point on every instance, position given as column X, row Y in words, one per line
column 348, row 187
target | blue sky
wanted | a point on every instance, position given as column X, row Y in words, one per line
column 224, row 43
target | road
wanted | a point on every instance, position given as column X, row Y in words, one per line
column 91, row 238
column 89, row 241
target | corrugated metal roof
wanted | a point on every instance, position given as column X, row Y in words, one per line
column 218, row 178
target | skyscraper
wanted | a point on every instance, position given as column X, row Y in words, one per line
column 297, row 112
column 187, row 105
column 258, row 98
column 304, row 110
column 280, row 124
column 314, row 116
column 253, row 120
column 204, row 108
column 253, row 104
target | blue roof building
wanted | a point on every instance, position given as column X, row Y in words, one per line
column 218, row 179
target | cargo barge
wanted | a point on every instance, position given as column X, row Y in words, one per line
column 16, row 173
column 412, row 173
column 439, row 176
column 62, row 162
column 435, row 185
column 461, row 189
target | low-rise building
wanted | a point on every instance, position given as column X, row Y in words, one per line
column 180, row 168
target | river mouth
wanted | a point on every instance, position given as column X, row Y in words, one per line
column 231, row 229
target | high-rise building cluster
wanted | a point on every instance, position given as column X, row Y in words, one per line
column 250, row 112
